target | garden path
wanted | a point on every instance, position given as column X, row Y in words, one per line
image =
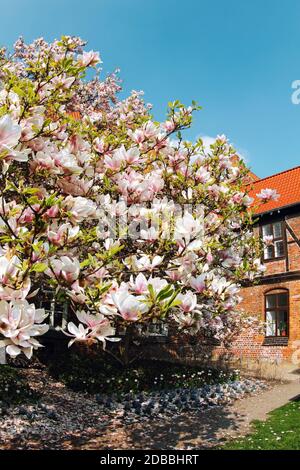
column 72, row 421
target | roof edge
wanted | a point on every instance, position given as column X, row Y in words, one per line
column 276, row 174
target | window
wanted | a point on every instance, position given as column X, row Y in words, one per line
column 156, row 329
column 277, row 248
column 277, row 313
column 153, row 329
column 57, row 310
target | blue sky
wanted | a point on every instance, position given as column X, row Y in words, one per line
column 237, row 58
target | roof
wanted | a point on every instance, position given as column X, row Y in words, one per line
column 253, row 176
column 287, row 185
column 75, row 115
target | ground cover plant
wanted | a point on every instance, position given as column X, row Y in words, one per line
column 14, row 388
column 81, row 372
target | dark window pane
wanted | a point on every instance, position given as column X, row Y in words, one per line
column 46, row 304
column 277, row 230
column 269, row 252
column 282, row 323
column 267, row 230
column 282, row 299
column 279, row 249
column 271, row 300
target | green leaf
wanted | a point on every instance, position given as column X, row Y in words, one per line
column 39, row 267
column 165, row 292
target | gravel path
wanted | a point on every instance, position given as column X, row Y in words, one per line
column 69, row 420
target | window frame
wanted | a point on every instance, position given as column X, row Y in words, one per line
column 49, row 295
column 275, row 239
column 277, row 309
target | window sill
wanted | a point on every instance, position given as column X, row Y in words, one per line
column 276, row 341
column 270, row 260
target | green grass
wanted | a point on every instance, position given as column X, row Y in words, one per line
column 280, row 431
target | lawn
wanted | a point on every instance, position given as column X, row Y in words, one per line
column 280, row 431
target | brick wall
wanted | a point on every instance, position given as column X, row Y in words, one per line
column 292, row 261
column 251, row 345
column 293, row 247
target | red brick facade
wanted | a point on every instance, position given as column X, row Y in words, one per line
column 281, row 275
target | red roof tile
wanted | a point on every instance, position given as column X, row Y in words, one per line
column 287, row 185
column 75, row 114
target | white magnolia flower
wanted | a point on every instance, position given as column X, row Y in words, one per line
column 130, row 307
column 79, row 333
column 67, row 162
column 198, row 283
column 98, row 327
column 188, row 301
column 144, row 263
column 20, row 323
column 141, row 283
column 268, row 195
column 188, row 228
column 10, row 134
column 80, row 208
column 64, row 267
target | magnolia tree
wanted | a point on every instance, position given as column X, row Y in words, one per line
column 114, row 211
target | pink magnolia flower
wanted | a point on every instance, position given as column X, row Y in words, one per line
column 268, row 240
column 130, row 307
column 79, row 333
column 137, row 136
column 88, row 59
column 132, row 155
column 150, row 130
column 140, row 285
column 268, row 195
column 98, row 327
column 80, row 208
column 10, row 134
column 169, row 126
column 185, row 320
column 202, row 175
column 99, row 145
column 67, row 162
column 198, row 283
column 65, row 268
column 115, row 162
column 20, row 323
column 9, row 269
column 62, row 234
column 188, row 301
column 144, row 263
column 52, row 212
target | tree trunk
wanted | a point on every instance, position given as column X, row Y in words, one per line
column 126, row 347
column 2, row 356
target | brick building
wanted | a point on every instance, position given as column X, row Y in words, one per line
column 275, row 299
